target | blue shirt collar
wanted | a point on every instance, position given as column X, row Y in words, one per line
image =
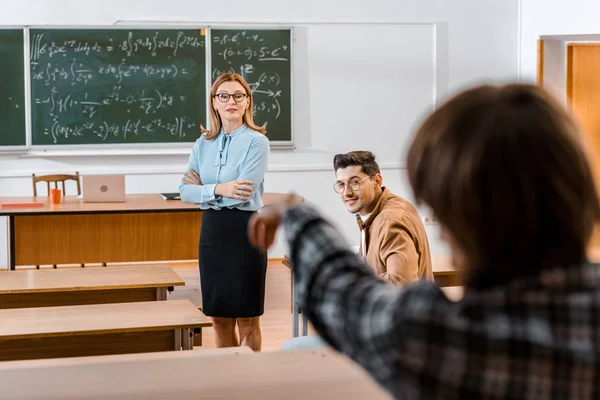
column 224, row 140
column 234, row 133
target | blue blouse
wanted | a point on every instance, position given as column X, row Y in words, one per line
column 242, row 154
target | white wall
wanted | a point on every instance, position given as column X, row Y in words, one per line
column 426, row 49
column 555, row 65
column 553, row 17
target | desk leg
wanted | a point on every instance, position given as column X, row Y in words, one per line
column 187, row 342
column 161, row 293
column 304, row 324
column 11, row 243
column 295, row 310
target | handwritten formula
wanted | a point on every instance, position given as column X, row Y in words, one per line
column 263, row 58
column 117, row 86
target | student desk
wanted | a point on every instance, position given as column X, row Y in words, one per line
column 293, row 375
column 98, row 329
column 145, row 228
column 444, row 272
column 444, row 275
column 77, row 286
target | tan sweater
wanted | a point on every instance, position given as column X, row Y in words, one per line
column 396, row 241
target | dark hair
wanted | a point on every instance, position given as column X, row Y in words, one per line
column 505, row 172
column 364, row 159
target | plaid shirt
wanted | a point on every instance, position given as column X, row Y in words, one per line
column 536, row 338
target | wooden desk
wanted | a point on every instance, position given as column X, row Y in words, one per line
column 70, row 331
column 76, row 286
column 446, row 275
column 293, row 375
column 145, row 228
column 444, row 272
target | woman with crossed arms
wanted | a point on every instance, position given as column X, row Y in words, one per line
column 225, row 176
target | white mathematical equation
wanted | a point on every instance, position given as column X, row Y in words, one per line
column 174, row 126
column 138, row 83
column 243, row 45
column 150, row 101
column 153, row 42
column 77, row 72
column 253, row 55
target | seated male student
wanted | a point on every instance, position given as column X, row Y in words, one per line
column 393, row 239
column 506, row 173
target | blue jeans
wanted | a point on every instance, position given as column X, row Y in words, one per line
column 304, row 342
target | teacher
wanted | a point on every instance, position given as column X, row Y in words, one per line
column 225, row 176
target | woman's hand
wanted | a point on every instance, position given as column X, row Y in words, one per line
column 239, row 189
column 192, row 178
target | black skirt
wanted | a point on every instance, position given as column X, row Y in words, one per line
column 232, row 272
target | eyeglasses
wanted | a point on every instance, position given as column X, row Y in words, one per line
column 340, row 187
column 237, row 97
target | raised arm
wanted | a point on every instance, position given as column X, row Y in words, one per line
column 354, row 311
column 199, row 193
column 377, row 324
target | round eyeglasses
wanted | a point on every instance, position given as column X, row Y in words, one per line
column 340, row 187
column 237, row 97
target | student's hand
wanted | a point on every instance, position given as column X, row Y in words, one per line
column 239, row 189
column 263, row 225
column 192, row 178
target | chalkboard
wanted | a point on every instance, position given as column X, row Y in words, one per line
column 12, row 88
column 117, row 86
column 263, row 58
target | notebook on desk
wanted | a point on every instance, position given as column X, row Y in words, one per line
column 103, row 188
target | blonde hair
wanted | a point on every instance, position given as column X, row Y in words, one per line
column 215, row 119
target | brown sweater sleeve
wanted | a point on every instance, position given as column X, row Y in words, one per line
column 399, row 255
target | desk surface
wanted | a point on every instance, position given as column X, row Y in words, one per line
column 134, row 203
column 100, row 319
column 301, row 374
column 136, row 358
column 86, row 279
column 442, row 264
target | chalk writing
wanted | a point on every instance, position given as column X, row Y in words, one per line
column 263, row 59
column 117, row 86
column 105, row 129
column 134, row 43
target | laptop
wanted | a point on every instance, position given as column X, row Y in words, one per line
column 103, row 188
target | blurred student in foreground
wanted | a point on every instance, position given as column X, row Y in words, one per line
column 505, row 173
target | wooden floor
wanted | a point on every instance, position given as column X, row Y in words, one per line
column 277, row 320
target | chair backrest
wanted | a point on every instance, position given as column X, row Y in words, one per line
column 55, row 179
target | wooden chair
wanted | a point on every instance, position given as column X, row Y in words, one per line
column 55, row 179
